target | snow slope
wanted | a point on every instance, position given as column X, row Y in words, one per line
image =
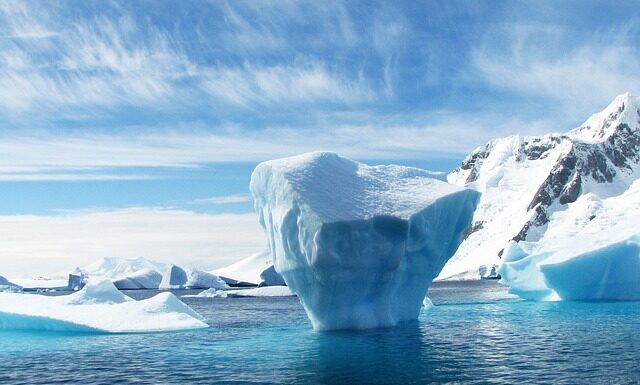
column 547, row 188
column 358, row 244
column 256, row 269
column 99, row 307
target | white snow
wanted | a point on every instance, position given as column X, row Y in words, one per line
column 509, row 181
column 256, row 269
column 358, row 244
column 44, row 283
column 265, row 291
column 176, row 277
column 99, row 307
column 507, row 186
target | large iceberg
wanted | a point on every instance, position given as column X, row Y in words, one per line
column 590, row 250
column 255, row 270
column 98, row 307
column 358, row 244
column 176, row 277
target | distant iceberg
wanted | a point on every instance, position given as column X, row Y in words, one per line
column 6, row 286
column 264, row 291
column 176, row 277
column 99, row 307
column 358, row 244
column 141, row 273
column 255, row 270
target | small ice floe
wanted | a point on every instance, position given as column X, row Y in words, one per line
column 98, row 307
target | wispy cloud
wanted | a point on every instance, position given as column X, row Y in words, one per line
column 221, row 200
column 541, row 60
column 77, row 238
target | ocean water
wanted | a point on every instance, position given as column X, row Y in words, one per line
column 475, row 334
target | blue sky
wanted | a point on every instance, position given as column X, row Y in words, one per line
column 120, row 112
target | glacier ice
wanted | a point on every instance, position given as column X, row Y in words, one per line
column 610, row 272
column 589, row 251
column 176, row 277
column 98, row 307
column 358, row 244
column 255, row 270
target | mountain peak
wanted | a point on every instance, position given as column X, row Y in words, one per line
column 623, row 110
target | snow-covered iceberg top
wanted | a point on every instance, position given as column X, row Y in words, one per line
column 99, row 307
column 358, row 244
column 257, row 269
column 264, row 291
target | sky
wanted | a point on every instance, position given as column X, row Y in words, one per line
column 130, row 128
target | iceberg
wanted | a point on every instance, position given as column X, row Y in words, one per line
column 264, row 291
column 358, row 244
column 100, row 308
column 125, row 273
column 5, row 285
column 255, row 270
column 611, row 272
column 176, row 277
column 588, row 252
column 209, row 293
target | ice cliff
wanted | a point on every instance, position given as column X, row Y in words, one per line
column 358, row 244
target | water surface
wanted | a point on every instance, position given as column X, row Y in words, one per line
column 475, row 334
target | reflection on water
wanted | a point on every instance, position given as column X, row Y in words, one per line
column 476, row 333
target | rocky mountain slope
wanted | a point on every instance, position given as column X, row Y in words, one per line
column 529, row 184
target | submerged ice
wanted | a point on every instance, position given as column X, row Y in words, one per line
column 98, row 307
column 358, row 244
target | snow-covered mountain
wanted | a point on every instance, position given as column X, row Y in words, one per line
column 549, row 188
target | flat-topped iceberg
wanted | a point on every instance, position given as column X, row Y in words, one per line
column 98, row 307
column 358, row 244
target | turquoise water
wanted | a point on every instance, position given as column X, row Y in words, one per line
column 475, row 334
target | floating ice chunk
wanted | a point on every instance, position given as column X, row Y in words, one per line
column 5, row 285
column 264, row 291
column 209, row 293
column 358, row 244
column 611, row 272
column 254, row 270
column 177, row 277
column 99, row 307
column 606, row 272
